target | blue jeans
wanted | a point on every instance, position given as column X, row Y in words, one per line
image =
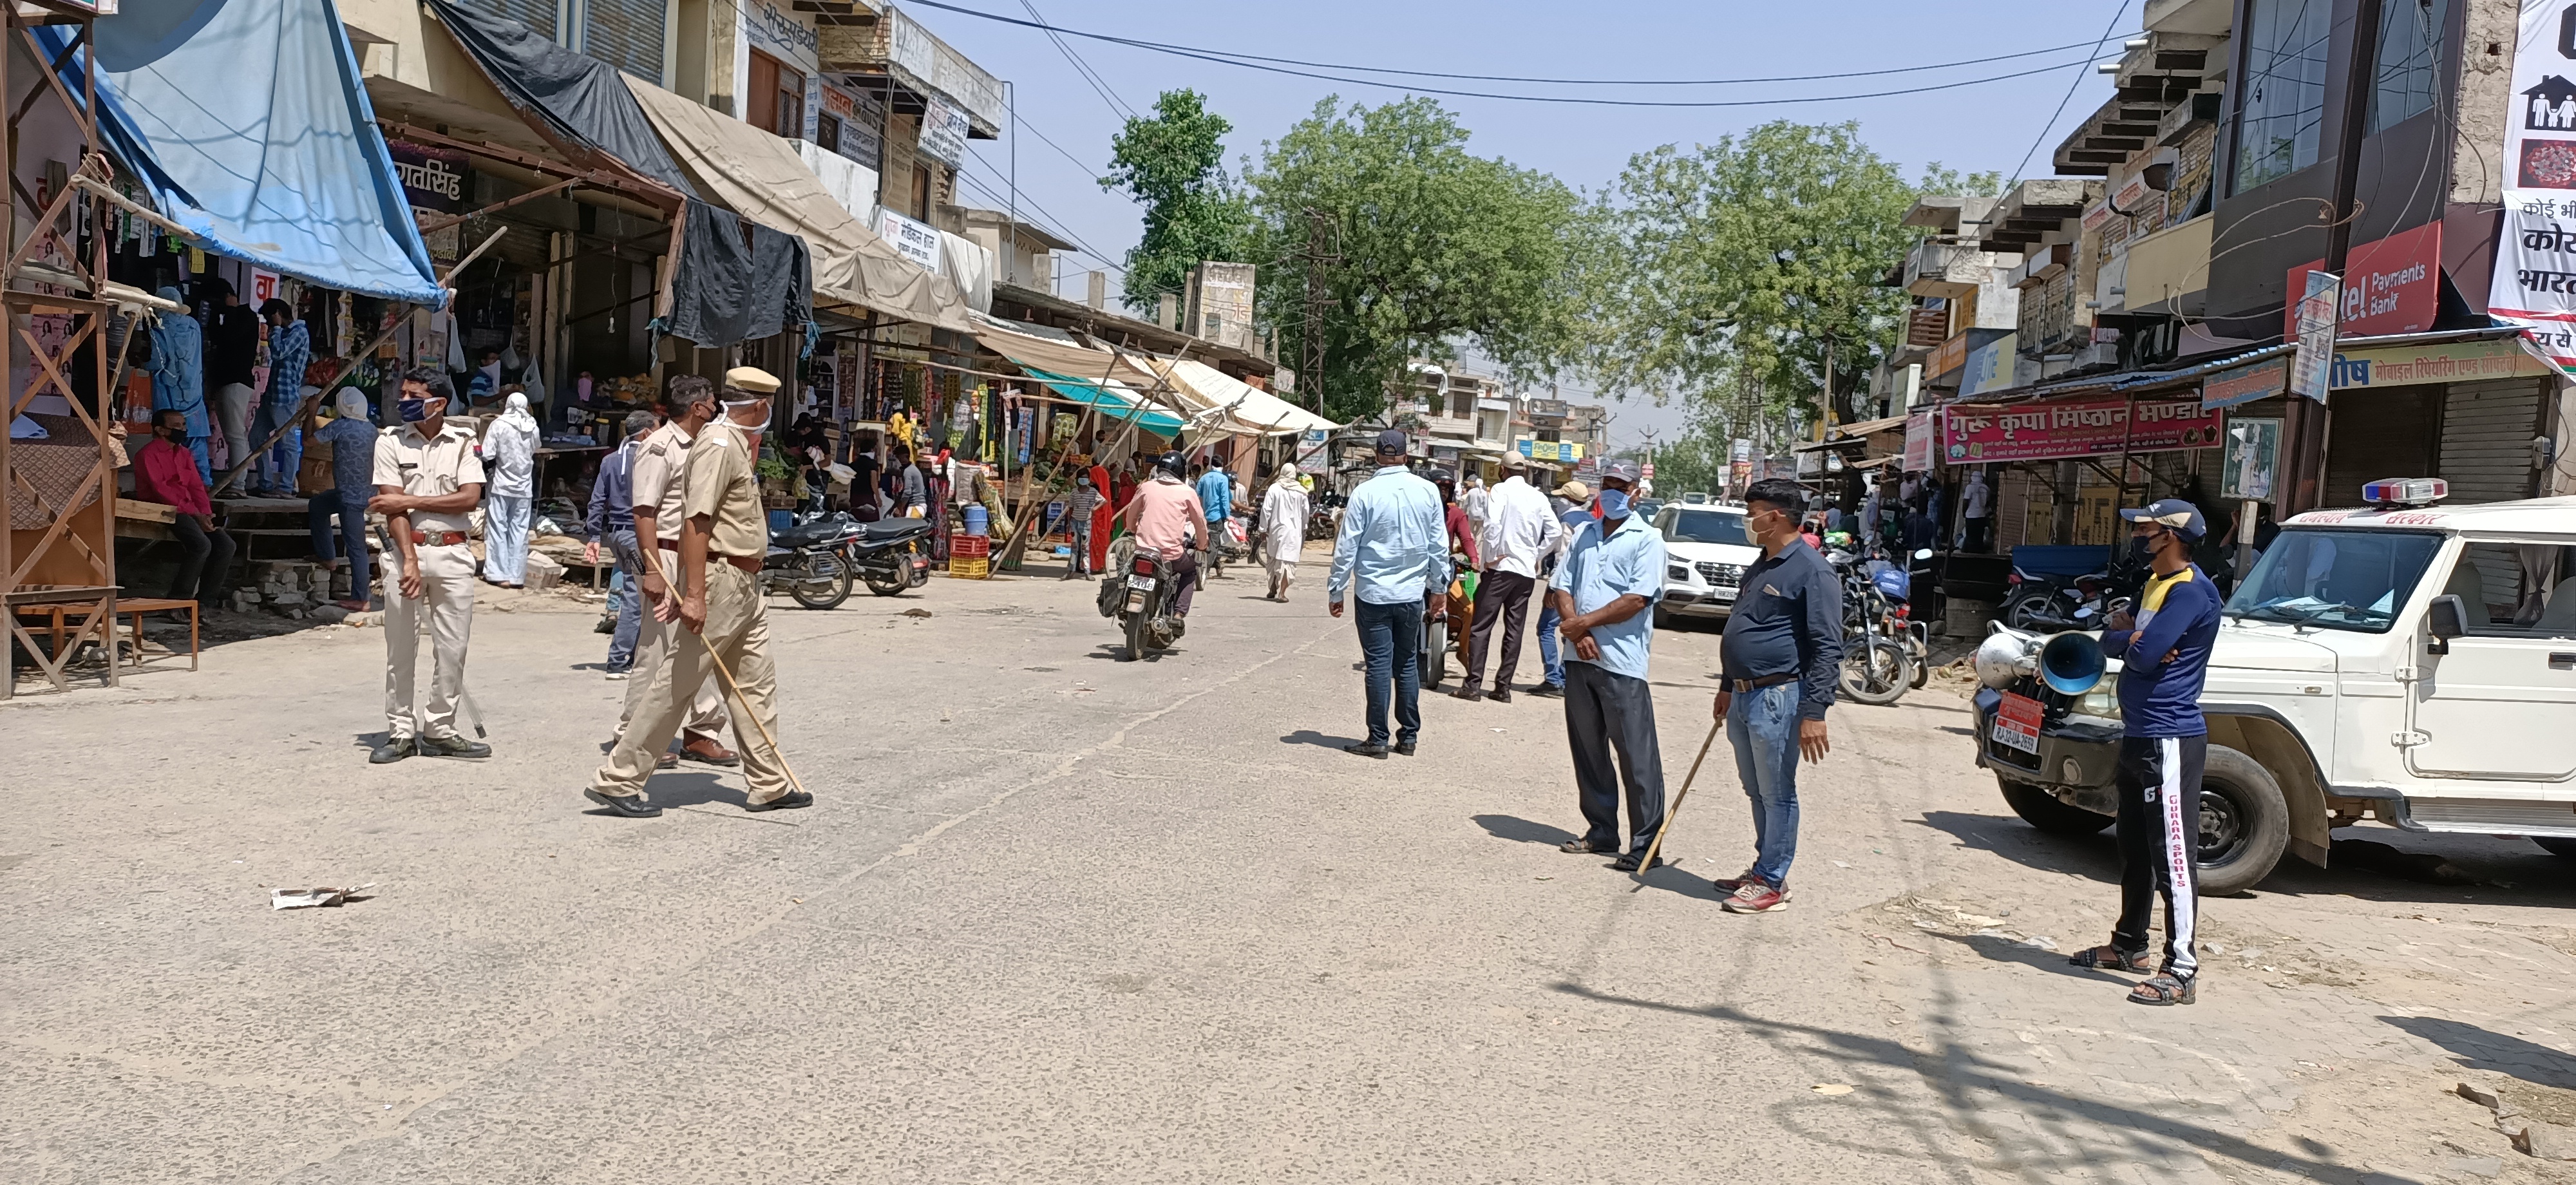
column 630, row 597
column 349, row 541
column 505, row 537
column 1553, row 662
column 1762, row 726
column 1391, row 637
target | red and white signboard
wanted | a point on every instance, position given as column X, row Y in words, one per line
column 2391, row 285
column 2017, row 722
column 263, row 287
column 2534, row 282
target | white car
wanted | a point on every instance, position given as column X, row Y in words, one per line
column 1706, row 549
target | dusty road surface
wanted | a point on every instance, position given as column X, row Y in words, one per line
column 1063, row 918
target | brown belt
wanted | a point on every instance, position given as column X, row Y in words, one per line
column 437, row 538
column 744, row 562
column 1740, row 686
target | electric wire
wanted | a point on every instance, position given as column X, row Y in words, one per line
column 2071, row 88
column 1117, row 106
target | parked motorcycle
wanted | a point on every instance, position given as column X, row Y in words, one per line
column 2042, row 602
column 1139, row 593
column 890, row 556
column 806, row 563
column 1879, row 660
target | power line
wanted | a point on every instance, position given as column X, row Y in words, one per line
column 2071, row 88
column 1060, row 225
column 1117, row 106
column 1248, row 62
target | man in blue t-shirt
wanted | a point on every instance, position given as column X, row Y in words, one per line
column 2164, row 652
column 1216, row 494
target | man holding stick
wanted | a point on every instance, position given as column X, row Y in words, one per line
column 1783, row 647
column 722, row 542
column 658, row 493
column 1604, row 593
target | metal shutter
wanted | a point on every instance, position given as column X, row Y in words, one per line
column 2374, row 434
column 627, row 34
column 2486, row 439
column 535, row 14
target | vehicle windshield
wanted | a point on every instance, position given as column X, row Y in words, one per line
column 2342, row 580
column 1705, row 526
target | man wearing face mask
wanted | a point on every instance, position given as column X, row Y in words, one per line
column 427, row 479
column 166, row 471
column 2164, row 654
column 1603, row 593
column 1782, row 651
column 660, row 491
column 722, row 541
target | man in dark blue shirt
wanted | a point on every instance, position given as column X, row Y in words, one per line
column 2164, row 653
column 1783, row 645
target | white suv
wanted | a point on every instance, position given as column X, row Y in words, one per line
column 1706, row 549
column 2414, row 664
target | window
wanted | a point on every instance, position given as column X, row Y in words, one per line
column 2285, row 88
column 2517, row 589
column 827, row 133
column 2410, row 59
column 2336, row 579
column 1705, row 526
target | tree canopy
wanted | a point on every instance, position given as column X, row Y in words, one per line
column 1174, row 164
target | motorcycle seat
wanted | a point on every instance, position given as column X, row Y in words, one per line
column 806, row 534
column 896, row 527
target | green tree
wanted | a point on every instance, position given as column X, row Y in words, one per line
column 1174, row 164
column 1415, row 245
column 1742, row 274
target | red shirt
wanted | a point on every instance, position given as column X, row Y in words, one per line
column 1462, row 534
column 166, row 472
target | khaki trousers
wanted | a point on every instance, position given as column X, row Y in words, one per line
column 447, row 601
column 737, row 631
column 654, row 645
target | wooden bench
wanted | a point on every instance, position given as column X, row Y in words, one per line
column 138, row 606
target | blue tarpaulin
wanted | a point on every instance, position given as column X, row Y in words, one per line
column 1113, row 399
column 248, row 122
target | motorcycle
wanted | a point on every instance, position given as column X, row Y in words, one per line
column 891, row 555
column 1879, row 659
column 2044, row 603
column 1139, row 594
column 806, row 563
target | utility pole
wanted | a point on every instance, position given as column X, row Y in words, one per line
column 1310, row 361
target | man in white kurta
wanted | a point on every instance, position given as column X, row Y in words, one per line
column 1283, row 530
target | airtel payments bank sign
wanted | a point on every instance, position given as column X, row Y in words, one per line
column 2391, row 285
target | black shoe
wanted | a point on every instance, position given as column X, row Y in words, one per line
column 1548, row 691
column 784, row 802
column 1403, row 749
column 392, row 751
column 456, row 746
column 1366, row 749
column 631, row 806
column 1500, row 695
column 1586, row 847
column 1628, row 862
column 1470, row 693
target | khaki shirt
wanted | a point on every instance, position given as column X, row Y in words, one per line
column 657, row 476
column 429, row 466
column 721, row 484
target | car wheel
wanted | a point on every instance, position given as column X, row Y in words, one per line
column 2244, row 822
column 2042, row 810
column 2557, row 845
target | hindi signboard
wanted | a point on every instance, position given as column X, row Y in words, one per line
column 432, row 178
column 943, row 130
column 2534, row 281
column 2245, row 384
column 1918, row 442
column 916, row 241
column 2061, row 429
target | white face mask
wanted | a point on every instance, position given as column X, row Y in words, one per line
column 755, row 429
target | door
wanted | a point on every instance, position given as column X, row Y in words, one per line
column 2501, row 706
column 760, row 100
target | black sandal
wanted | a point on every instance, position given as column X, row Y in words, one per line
column 2110, row 958
column 2163, row 990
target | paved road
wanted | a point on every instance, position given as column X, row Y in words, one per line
column 1064, row 918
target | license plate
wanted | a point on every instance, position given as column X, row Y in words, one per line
column 1141, row 583
column 2017, row 721
column 1724, row 593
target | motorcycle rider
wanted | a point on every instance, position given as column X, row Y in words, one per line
column 1163, row 516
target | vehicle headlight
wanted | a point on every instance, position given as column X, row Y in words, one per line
column 2102, row 701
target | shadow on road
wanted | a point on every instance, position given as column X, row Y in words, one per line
column 1520, row 830
column 2093, row 856
column 2481, row 1049
column 1308, row 736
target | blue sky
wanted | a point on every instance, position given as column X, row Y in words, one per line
column 1988, row 126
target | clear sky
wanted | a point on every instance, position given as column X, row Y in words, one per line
column 1988, row 126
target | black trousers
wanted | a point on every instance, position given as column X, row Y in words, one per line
column 2159, row 829
column 1502, row 598
column 205, row 562
column 1606, row 712
column 1981, row 534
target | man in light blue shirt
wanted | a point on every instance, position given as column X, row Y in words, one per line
column 1394, row 543
column 1604, row 594
column 1216, row 494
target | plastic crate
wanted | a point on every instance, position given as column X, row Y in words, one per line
column 972, row 547
column 966, row 569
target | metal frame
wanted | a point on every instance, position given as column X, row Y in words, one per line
column 50, row 369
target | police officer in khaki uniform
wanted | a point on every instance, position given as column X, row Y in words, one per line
column 427, row 480
column 689, row 404
column 722, row 542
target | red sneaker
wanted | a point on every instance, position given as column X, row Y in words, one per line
column 1756, row 897
column 1729, row 884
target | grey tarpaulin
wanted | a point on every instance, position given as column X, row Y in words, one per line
column 738, row 292
column 725, row 289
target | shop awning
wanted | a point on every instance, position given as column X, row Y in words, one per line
column 762, row 178
column 1257, row 411
column 1113, row 398
column 248, row 123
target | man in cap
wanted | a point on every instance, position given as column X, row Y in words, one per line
column 353, row 466
column 1778, row 662
column 1519, row 533
column 1605, row 593
column 427, row 480
column 657, row 493
column 1571, row 503
column 1394, row 544
column 723, row 538
column 2164, row 655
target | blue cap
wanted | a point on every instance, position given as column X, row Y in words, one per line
column 2182, row 516
column 1393, row 442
